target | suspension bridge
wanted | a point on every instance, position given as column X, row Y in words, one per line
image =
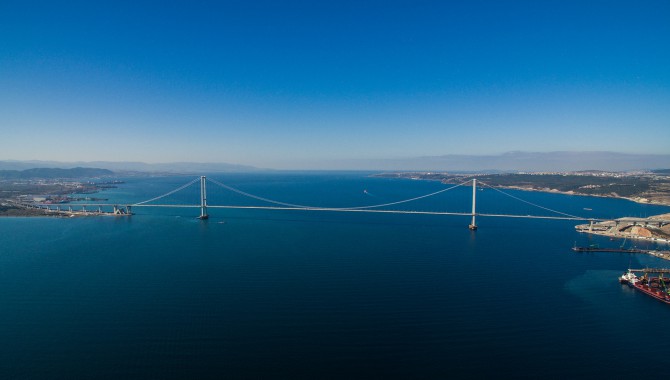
column 126, row 210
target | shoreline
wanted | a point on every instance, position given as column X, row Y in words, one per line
column 556, row 191
column 643, row 238
column 652, row 191
column 56, row 192
column 26, row 212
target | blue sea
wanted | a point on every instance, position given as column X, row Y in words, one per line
column 317, row 295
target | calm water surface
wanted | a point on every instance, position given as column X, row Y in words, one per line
column 294, row 294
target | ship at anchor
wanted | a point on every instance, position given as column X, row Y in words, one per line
column 652, row 282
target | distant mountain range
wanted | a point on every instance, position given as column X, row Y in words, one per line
column 50, row 173
column 511, row 161
column 518, row 161
column 173, row 167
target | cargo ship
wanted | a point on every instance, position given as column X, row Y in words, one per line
column 656, row 287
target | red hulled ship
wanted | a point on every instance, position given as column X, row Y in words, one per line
column 656, row 287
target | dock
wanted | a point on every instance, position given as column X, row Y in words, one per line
column 597, row 249
column 657, row 253
column 651, row 270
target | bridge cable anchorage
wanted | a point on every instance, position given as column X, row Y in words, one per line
column 331, row 208
column 533, row 204
column 168, row 193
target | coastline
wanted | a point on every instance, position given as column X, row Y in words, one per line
column 627, row 236
column 44, row 213
column 19, row 197
column 14, row 211
column 638, row 200
column 641, row 188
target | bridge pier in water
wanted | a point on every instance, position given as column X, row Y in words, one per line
column 473, row 225
column 203, row 198
column 121, row 210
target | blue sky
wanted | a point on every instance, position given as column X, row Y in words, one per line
column 300, row 84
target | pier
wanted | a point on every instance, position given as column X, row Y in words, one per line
column 651, row 270
column 653, row 252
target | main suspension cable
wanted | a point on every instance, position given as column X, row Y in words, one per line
column 530, row 203
column 330, row 208
column 169, row 193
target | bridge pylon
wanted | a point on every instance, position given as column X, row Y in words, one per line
column 203, row 198
column 473, row 225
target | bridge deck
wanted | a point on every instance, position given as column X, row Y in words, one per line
column 373, row 211
column 95, row 205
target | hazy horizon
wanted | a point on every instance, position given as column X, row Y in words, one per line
column 510, row 161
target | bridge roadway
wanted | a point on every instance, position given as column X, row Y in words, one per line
column 64, row 207
column 642, row 220
column 373, row 211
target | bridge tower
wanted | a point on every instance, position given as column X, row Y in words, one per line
column 203, row 198
column 473, row 225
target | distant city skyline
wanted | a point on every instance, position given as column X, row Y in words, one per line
column 296, row 85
